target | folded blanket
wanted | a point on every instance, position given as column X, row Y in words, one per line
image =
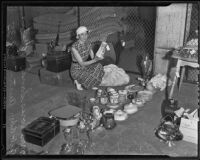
column 46, row 28
column 46, row 10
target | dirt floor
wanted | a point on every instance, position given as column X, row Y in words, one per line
column 28, row 99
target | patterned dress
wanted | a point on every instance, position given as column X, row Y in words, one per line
column 88, row 76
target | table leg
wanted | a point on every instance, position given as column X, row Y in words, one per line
column 182, row 76
column 175, row 78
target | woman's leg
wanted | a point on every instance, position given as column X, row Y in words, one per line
column 78, row 85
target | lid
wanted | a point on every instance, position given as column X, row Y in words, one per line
column 40, row 126
column 65, row 112
column 122, row 91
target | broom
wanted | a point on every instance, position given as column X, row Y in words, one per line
column 169, row 104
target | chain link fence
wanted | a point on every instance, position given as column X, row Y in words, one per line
column 191, row 39
column 140, row 27
column 133, row 25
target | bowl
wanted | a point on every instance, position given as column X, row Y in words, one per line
column 145, row 95
column 92, row 100
column 130, row 108
column 120, row 115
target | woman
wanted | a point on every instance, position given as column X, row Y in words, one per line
column 85, row 73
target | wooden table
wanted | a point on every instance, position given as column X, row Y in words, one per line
column 182, row 62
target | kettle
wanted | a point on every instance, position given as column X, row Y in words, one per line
column 108, row 120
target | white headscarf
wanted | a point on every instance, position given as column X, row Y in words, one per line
column 81, row 29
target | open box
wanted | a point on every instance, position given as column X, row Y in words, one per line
column 189, row 127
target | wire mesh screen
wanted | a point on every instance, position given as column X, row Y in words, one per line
column 103, row 21
column 191, row 74
column 140, row 27
column 134, row 25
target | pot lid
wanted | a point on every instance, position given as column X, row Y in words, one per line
column 65, row 111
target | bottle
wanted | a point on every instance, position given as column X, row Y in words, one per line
column 44, row 60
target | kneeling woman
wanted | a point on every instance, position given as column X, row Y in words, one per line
column 85, row 73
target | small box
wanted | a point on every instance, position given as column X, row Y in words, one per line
column 58, row 62
column 41, row 130
column 16, row 63
column 56, row 79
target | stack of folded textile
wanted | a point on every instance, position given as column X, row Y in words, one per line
column 101, row 21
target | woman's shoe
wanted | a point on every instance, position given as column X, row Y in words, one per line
column 78, row 85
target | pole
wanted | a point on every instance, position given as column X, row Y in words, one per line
column 78, row 9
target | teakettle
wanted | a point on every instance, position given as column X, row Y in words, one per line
column 108, row 120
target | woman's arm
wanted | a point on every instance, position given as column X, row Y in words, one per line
column 91, row 54
column 80, row 60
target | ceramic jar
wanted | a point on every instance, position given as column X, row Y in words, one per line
column 114, row 98
column 104, row 99
column 122, row 96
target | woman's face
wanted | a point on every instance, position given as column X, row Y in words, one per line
column 83, row 36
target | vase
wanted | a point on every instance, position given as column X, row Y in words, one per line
column 146, row 66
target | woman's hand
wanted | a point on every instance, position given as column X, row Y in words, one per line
column 96, row 58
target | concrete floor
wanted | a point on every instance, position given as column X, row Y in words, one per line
column 28, row 99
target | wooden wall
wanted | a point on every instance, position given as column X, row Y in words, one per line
column 170, row 28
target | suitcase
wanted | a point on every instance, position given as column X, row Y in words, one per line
column 58, row 62
column 56, row 79
column 41, row 131
column 16, row 63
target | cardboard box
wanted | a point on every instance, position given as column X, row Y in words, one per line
column 189, row 128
